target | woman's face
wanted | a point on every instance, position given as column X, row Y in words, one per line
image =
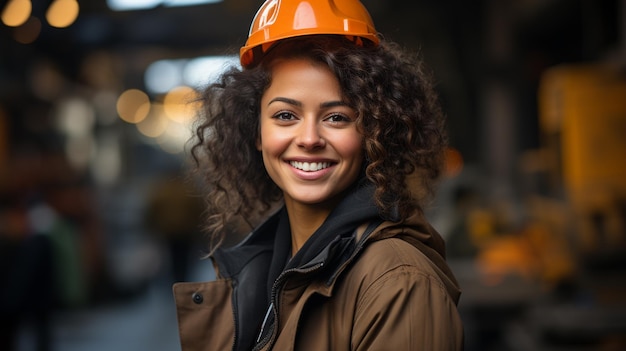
column 309, row 139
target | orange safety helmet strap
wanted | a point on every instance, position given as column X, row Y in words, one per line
column 282, row 19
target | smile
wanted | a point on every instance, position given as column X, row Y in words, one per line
column 309, row 166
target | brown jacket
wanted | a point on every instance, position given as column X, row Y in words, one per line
column 386, row 289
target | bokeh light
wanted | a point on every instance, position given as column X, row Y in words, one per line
column 163, row 75
column 133, row 106
column 155, row 122
column 62, row 13
column 16, row 12
column 453, row 162
column 28, row 32
column 180, row 104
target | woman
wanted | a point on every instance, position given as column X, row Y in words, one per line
column 342, row 130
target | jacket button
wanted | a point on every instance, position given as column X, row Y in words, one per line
column 197, row 298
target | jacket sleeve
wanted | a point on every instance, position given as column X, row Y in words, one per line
column 406, row 309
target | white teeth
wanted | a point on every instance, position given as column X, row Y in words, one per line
column 310, row 166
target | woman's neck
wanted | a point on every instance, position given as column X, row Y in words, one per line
column 304, row 221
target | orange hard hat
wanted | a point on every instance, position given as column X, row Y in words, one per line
column 281, row 19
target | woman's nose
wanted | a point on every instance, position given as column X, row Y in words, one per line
column 309, row 136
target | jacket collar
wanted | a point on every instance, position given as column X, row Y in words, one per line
column 230, row 261
column 335, row 235
column 273, row 234
column 356, row 208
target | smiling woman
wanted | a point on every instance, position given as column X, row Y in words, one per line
column 328, row 124
column 309, row 141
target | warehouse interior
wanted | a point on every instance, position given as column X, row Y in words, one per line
column 532, row 204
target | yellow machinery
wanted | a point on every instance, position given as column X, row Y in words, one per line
column 583, row 119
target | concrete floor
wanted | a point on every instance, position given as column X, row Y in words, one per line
column 145, row 322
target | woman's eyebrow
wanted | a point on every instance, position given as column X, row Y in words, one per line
column 285, row 100
column 297, row 103
column 332, row 104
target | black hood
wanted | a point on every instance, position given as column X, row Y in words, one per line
column 355, row 209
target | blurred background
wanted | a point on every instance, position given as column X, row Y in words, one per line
column 97, row 222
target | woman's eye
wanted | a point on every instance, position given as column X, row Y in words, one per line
column 338, row 118
column 284, row 116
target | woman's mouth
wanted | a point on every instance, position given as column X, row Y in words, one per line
column 309, row 166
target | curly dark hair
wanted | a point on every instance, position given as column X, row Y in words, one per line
column 398, row 115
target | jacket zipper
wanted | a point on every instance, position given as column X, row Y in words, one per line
column 267, row 315
column 269, row 339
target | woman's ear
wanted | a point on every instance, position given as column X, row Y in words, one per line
column 258, row 143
